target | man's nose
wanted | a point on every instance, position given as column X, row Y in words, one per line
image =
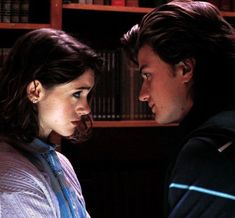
column 144, row 92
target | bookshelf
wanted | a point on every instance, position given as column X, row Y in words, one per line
column 55, row 21
column 128, row 9
column 26, row 26
column 122, row 167
column 80, row 19
column 228, row 14
column 67, row 17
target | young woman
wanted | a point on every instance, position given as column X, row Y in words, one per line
column 45, row 87
column 186, row 56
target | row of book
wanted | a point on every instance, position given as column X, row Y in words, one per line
column 14, row 11
column 116, row 94
column 223, row 5
column 133, row 3
column 17, row 11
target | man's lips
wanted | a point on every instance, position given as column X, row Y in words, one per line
column 152, row 106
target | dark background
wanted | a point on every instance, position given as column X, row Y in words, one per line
column 122, row 170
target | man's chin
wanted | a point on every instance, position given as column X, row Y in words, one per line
column 163, row 121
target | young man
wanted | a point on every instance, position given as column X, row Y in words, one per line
column 186, row 56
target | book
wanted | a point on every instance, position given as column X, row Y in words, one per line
column 6, row 11
column 98, row 2
column 118, row 2
column 132, row 3
column 24, row 11
column 15, row 11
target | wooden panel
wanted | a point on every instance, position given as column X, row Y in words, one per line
column 56, row 14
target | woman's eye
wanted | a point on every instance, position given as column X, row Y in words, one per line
column 77, row 94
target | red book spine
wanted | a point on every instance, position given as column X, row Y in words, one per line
column 118, row 2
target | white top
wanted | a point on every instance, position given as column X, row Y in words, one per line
column 25, row 192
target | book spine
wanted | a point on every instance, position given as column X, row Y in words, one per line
column 6, row 11
column 98, row 2
column 233, row 5
column 89, row 2
column 24, row 11
column 118, row 2
column 107, row 2
column 15, row 11
column 132, row 3
column 82, row 1
column 1, row 12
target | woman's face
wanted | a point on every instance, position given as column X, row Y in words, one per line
column 60, row 108
column 166, row 89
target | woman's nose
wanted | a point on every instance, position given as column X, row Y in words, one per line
column 84, row 108
column 144, row 92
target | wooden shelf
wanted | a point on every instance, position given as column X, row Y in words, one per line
column 228, row 13
column 128, row 123
column 127, row 9
column 77, row 6
column 23, row 25
column 56, row 14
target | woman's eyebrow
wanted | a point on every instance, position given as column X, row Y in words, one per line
column 84, row 87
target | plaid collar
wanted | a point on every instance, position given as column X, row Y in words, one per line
column 46, row 159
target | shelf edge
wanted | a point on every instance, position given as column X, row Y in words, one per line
column 129, row 123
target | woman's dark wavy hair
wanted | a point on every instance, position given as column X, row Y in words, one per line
column 192, row 29
column 50, row 56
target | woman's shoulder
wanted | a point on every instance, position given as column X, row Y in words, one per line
column 10, row 155
column 67, row 166
column 64, row 161
column 16, row 171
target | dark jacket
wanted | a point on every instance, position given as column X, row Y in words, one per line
column 202, row 183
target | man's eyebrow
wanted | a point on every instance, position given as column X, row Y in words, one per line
column 141, row 68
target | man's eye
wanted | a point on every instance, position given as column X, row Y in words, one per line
column 77, row 94
column 146, row 76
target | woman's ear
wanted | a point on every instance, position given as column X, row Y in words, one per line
column 186, row 69
column 35, row 91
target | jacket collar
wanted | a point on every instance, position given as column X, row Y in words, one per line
column 219, row 129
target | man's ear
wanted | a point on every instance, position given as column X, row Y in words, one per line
column 186, row 69
column 35, row 91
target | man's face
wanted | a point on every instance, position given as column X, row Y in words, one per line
column 165, row 88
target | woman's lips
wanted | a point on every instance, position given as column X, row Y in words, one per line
column 75, row 123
